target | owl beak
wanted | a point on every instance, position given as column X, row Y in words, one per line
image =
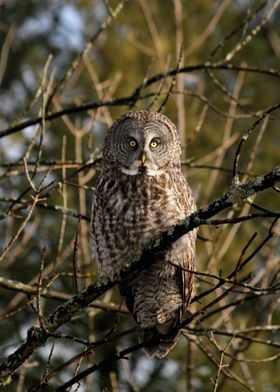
column 143, row 158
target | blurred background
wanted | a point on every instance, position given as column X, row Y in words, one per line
column 68, row 69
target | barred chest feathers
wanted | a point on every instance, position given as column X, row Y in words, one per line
column 135, row 209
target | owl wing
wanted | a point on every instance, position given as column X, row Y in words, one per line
column 99, row 228
column 93, row 224
column 186, row 245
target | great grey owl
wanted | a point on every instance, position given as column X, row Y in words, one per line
column 140, row 193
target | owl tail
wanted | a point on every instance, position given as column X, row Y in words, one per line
column 157, row 344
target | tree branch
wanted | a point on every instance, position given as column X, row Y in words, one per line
column 55, row 294
column 128, row 100
column 37, row 336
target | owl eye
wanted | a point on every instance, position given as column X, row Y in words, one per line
column 132, row 143
column 154, row 143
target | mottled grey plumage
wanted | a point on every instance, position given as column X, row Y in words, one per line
column 140, row 193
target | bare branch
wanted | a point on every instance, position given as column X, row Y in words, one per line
column 127, row 101
column 37, row 336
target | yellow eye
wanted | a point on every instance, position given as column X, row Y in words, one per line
column 154, row 143
column 132, row 143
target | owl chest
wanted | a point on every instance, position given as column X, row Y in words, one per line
column 128, row 214
column 140, row 213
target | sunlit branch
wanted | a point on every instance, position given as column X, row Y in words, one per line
column 128, row 100
column 37, row 336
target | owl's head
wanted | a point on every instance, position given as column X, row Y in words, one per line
column 142, row 142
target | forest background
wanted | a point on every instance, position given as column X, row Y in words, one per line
column 68, row 69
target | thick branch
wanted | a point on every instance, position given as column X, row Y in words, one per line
column 55, row 294
column 37, row 336
column 235, row 195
